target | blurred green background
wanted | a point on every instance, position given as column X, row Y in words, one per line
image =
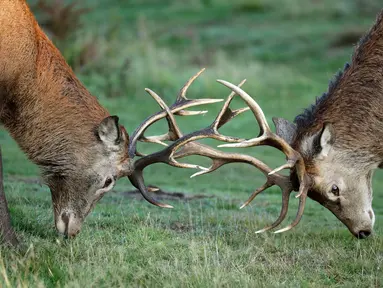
column 287, row 51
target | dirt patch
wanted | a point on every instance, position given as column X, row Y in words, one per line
column 160, row 194
column 25, row 179
column 180, row 227
column 157, row 194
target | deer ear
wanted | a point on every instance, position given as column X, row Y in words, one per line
column 109, row 131
column 285, row 129
column 327, row 139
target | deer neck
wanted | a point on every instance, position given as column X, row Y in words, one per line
column 42, row 104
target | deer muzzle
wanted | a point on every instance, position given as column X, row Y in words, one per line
column 67, row 224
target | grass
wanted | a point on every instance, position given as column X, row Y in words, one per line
column 288, row 50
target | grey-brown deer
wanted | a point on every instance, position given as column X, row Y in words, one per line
column 340, row 136
column 332, row 149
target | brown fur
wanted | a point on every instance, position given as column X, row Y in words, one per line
column 43, row 105
column 55, row 120
column 354, row 105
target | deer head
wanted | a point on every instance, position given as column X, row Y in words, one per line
column 92, row 172
column 339, row 137
column 341, row 182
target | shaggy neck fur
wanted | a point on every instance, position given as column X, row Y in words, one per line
column 354, row 102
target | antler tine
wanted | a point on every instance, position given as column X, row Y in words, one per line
column 174, row 132
column 257, row 111
column 190, row 113
column 256, row 193
column 182, row 94
column 137, row 179
column 298, row 217
column 285, row 206
column 226, row 114
column 181, row 98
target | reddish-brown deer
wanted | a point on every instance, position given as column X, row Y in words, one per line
column 55, row 120
column 81, row 149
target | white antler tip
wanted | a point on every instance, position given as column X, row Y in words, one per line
column 243, row 205
column 202, row 168
column 197, row 174
column 283, row 230
column 299, row 195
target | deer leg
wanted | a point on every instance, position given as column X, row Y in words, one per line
column 7, row 234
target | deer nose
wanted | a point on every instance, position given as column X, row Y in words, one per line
column 65, row 218
column 363, row 234
column 68, row 225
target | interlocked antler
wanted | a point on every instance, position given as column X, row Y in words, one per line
column 184, row 145
column 166, row 155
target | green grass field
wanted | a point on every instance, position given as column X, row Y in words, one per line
column 287, row 50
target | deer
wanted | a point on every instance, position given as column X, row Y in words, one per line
column 80, row 148
column 332, row 148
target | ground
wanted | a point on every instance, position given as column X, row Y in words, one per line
column 288, row 51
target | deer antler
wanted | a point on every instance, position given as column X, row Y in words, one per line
column 166, row 155
column 184, row 145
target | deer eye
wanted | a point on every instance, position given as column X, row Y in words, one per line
column 108, row 181
column 335, row 190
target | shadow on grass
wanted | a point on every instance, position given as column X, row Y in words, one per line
column 160, row 194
